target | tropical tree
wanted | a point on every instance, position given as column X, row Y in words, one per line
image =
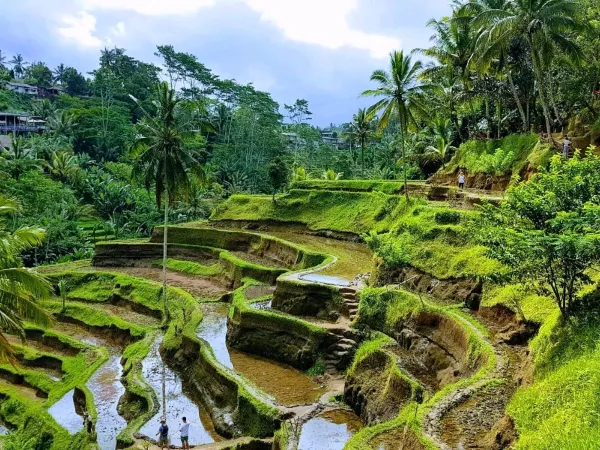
column 442, row 135
column 62, row 123
column 19, row 159
column 43, row 109
column 162, row 160
column 19, row 64
column 546, row 26
column 402, row 93
column 59, row 74
column 19, row 288
column 279, row 175
column 2, row 60
column 63, row 166
column 362, row 129
column 331, row 175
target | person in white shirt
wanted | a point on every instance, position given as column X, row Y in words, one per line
column 461, row 180
column 184, row 430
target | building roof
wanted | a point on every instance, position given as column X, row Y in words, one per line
column 7, row 114
column 12, row 83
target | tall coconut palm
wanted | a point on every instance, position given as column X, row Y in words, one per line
column 62, row 123
column 163, row 161
column 63, row 166
column 19, row 288
column 19, row 64
column 362, row 130
column 546, row 25
column 2, row 60
column 442, row 134
column 402, row 92
column 19, row 159
column 59, row 74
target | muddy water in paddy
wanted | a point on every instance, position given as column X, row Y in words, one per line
column 105, row 385
column 178, row 404
column 329, row 431
column 287, row 385
column 64, row 413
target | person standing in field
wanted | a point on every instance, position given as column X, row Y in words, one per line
column 461, row 180
column 163, row 434
column 566, row 147
column 185, row 433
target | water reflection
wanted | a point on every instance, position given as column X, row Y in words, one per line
column 63, row 411
column 325, row 279
column 178, row 404
column 329, row 431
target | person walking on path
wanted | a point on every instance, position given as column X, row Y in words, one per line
column 461, row 180
column 566, row 147
column 163, row 434
column 184, row 430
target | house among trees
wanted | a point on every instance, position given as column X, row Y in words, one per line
column 20, row 124
column 29, row 89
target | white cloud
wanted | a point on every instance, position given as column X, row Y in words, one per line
column 150, row 7
column 318, row 22
column 118, row 30
column 322, row 22
column 81, row 29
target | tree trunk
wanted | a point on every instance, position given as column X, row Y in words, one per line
column 487, row 119
column 513, row 89
column 164, row 295
column 540, row 82
column 403, row 161
column 362, row 156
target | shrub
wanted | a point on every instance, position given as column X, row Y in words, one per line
column 447, row 217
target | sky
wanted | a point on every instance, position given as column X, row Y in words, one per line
column 321, row 50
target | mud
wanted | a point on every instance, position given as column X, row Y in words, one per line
column 17, row 384
column 38, row 340
column 199, row 287
column 397, row 439
column 329, row 431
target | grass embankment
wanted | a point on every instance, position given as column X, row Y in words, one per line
column 430, row 237
column 383, row 310
column 561, row 408
column 507, row 156
column 391, row 187
column 30, row 418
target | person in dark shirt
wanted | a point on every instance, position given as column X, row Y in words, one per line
column 163, row 434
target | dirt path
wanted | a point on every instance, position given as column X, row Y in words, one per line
column 474, row 417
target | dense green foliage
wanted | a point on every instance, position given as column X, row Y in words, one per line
column 546, row 231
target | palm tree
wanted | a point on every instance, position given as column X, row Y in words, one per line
column 19, row 288
column 19, row 64
column 544, row 24
column 362, row 130
column 43, row 109
column 402, row 97
column 162, row 160
column 2, row 60
column 442, row 132
column 19, row 159
column 59, row 74
column 331, row 175
column 63, row 165
column 62, row 123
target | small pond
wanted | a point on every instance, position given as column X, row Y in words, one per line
column 63, row 411
column 329, row 431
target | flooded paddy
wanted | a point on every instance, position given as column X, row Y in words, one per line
column 105, row 385
column 178, row 403
column 329, row 431
column 325, row 279
column 288, row 386
column 65, row 414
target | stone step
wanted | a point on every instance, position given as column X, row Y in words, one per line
column 347, row 341
column 341, row 346
column 349, row 295
column 348, row 290
column 353, row 311
column 341, row 354
column 332, row 362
